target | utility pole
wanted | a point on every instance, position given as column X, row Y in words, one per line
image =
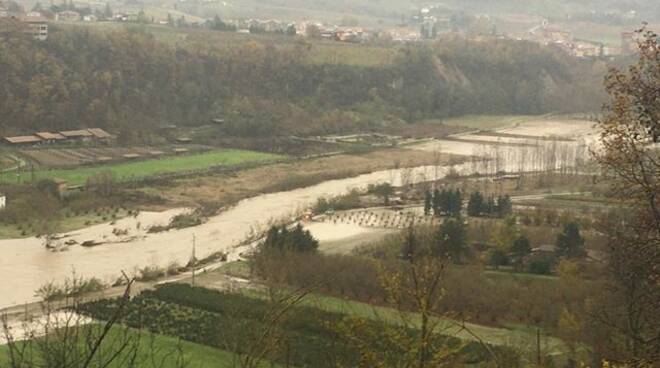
column 193, row 261
column 538, row 346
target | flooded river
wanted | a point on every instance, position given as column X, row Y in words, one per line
column 25, row 264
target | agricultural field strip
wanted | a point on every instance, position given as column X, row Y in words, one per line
column 142, row 169
column 65, row 158
column 492, row 335
column 17, row 163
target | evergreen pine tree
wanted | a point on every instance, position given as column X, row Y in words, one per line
column 451, row 239
column 519, row 250
column 570, row 243
column 475, row 204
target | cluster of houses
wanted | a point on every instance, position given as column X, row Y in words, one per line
column 305, row 29
column 548, row 35
column 32, row 23
column 66, row 136
column 74, row 16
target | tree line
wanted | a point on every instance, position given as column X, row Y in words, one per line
column 449, row 202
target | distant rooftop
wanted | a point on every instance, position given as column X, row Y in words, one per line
column 99, row 133
column 23, row 139
column 76, row 133
column 50, row 136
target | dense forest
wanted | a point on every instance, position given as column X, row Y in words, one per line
column 128, row 82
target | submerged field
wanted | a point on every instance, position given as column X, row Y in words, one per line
column 142, row 169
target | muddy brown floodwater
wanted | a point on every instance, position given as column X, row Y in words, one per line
column 25, row 264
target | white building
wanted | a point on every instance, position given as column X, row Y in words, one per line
column 67, row 16
column 3, row 201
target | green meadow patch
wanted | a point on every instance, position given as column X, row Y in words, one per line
column 126, row 171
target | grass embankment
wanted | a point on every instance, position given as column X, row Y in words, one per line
column 513, row 337
column 160, row 349
column 488, row 122
column 143, row 169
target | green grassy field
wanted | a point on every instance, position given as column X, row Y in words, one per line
column 195, row 355
column 142, row 169
column 467, row 331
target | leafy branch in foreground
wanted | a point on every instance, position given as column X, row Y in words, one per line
column 418, row 336
column 59, row 337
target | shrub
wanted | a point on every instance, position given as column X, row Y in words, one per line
column 498, row 258
column 339, row 203
column 542, row 265
column 150, row 273
column 185, row 220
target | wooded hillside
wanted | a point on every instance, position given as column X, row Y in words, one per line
column 128, row 83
